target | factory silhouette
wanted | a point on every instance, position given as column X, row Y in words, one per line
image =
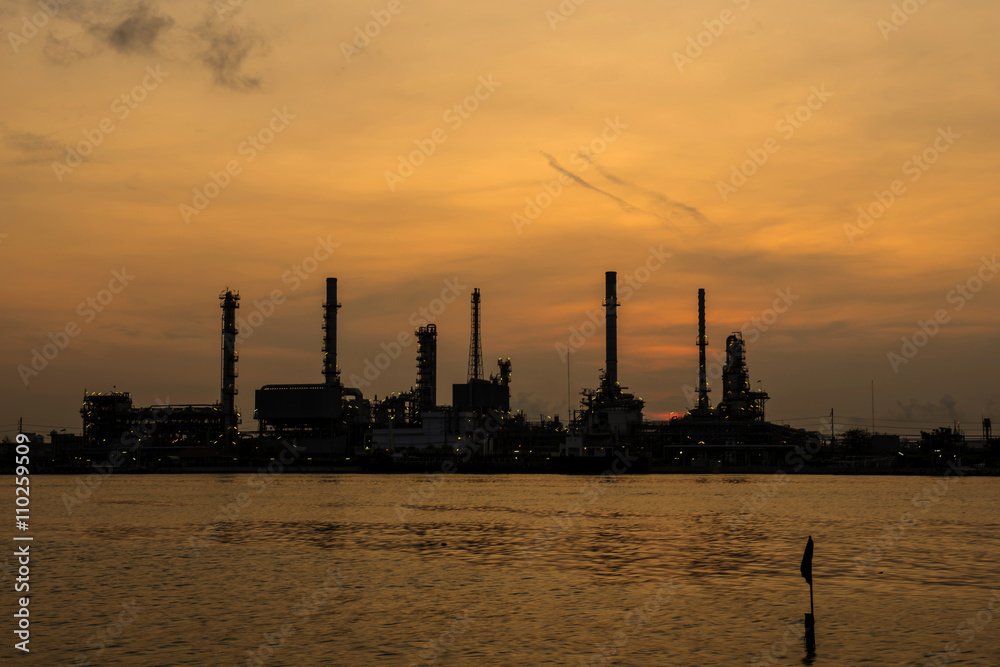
column 332, row 424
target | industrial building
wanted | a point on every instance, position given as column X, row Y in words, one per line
column 168, row 434
column 411, row 422
column 610, row 416
column 478, row 393
column 324, row 419
column 733, row 433
column 331, row 422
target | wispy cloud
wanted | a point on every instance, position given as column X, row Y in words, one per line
column 669, row 205
column 226, row 48
column 137, row 32
column 945, row 409
column 221, row 43
column 554, row 163
column 672, row 207
column 34, row 148
column 63, row 51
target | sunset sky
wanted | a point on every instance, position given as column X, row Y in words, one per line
column 428, row 153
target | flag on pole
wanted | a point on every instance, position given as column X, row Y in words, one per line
column 807, row 562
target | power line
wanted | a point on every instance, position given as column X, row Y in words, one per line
column 867, row 420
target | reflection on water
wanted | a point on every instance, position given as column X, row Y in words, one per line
column 546, row 570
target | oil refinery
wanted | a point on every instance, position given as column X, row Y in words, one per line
column 334, row 424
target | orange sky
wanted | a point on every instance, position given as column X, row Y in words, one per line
column 616, row 99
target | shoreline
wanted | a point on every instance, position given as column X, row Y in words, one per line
column 430, row 468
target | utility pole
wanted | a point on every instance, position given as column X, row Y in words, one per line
column 873, row 407
column 569, row 394
column 833, row 435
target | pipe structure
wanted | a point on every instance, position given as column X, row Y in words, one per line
column 703, row 390
column 426, row 367
column 611, row 327
column 735, row 379
column 230, row 302
column 331, row 373
column 475, row 343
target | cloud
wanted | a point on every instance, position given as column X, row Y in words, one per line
column 29, row 142
column 945, row 410
column 140, row 28
column 663, row 201
column 137, row 32
column 9, row 11
column 62, row 51
column 34, row 147
column 628, row 208
column 127, row 28
column 532, row 404
column 670, row 206
column 227, row 46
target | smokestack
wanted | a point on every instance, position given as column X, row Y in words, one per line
column 475, row 344
column 702, row 344
column 611, row 327
column 331, row 374
column 427, row 367
column 230, row 302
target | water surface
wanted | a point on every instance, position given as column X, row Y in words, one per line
column 512, row 570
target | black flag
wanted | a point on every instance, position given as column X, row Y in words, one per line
column 807, row 562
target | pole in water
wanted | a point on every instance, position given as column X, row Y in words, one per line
column 810, row 623
column 810, row 633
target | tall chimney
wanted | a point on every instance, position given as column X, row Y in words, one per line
column 230, row 302
column 427, row 367
column 611, row 327
column 331, row 374
column 702, row 344
column 475, row 343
